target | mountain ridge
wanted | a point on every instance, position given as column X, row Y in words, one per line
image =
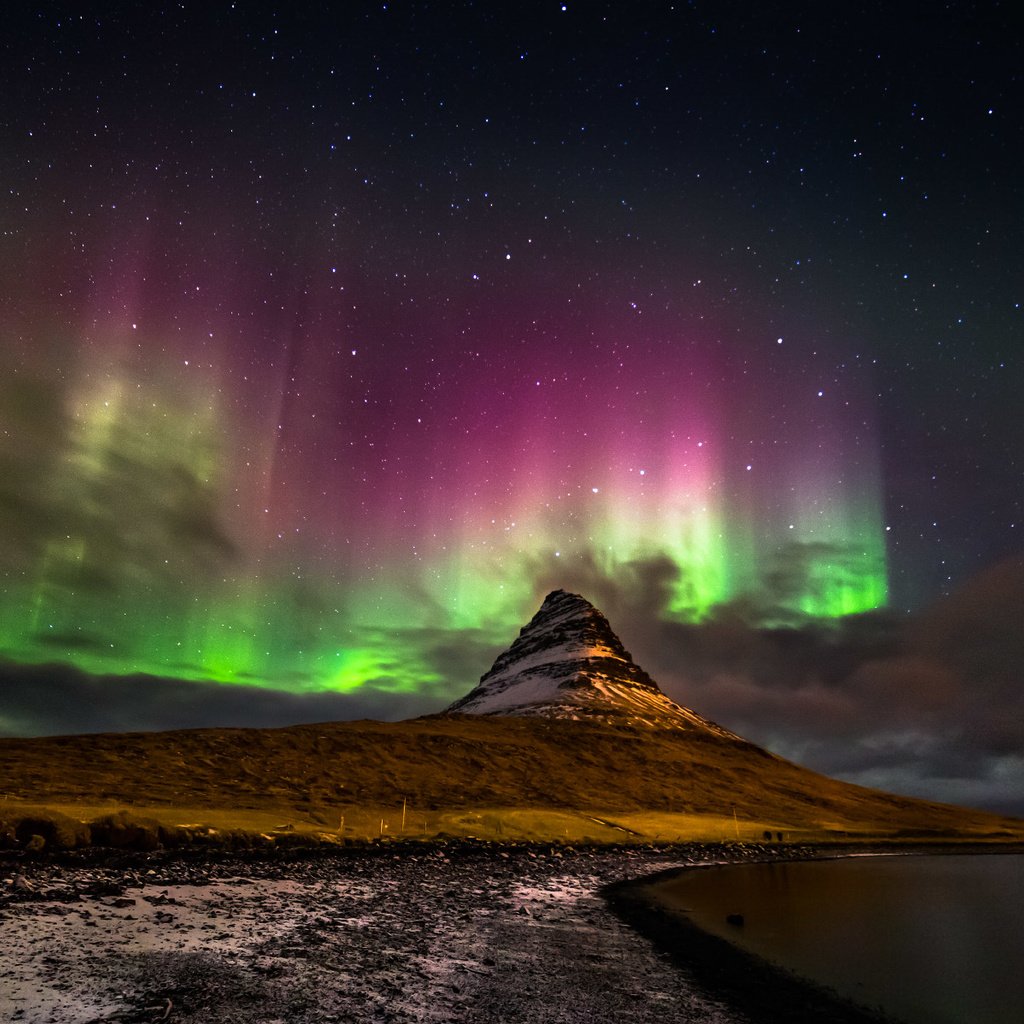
column 567, row 662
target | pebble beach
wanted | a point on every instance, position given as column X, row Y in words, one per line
column 453, row 932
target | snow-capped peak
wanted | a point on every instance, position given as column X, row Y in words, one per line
column 568, row 663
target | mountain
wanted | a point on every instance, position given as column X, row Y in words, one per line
column 568, row 663
column 564, row 739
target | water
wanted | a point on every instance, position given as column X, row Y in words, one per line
column 930, row 940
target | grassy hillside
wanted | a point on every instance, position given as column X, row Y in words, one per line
column 493, row 777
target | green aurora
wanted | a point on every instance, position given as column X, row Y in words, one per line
column 136, row 544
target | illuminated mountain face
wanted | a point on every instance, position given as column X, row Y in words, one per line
column 568, row 663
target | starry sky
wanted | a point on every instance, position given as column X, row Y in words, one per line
column 334, row 336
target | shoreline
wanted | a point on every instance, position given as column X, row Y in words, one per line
column 453, row 932
column 760, row 989
column 762, row 992
column 392, row 932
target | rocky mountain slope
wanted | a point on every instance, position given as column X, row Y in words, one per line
column 568, row 663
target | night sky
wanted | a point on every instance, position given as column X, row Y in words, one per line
column 333, row 336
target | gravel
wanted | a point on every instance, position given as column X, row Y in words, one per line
column 459, row 932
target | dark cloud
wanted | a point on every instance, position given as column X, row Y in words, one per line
column 56, row 699
column 459, row 658
column 639, row 590
column 929, row 705
column 71, row 641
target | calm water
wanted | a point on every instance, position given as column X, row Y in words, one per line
column 932, row 940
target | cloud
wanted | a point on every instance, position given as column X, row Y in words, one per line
column 32, row 410
column 638, row 591
column 458, row 658
column 56, row 699
column 107, row 488
column 929, row 705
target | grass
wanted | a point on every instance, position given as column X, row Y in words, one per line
column 500, row 779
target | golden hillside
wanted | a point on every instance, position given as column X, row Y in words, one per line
column 492, row 777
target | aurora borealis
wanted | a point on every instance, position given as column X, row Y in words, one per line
column 333, row 338
column 164, row 533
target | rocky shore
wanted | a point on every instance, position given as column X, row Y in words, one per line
column 467, row 932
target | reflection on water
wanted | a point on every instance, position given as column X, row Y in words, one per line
column 933, row 940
